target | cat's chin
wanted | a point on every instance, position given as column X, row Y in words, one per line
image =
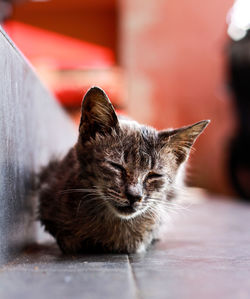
column 125, row 212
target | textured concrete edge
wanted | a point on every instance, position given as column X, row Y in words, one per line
column 25, row 60
column 20, row 85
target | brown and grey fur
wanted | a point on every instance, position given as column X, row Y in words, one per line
column 110, row 192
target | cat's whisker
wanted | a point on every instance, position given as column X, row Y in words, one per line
column 122, row 204
column 99, row 203
column 153, row 213
column 90, row 196
column 113, row 192
column 78, row 207
column 166, row 207
column 77, row 190
column 165, row 202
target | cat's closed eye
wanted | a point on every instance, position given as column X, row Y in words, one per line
column 117, row 166
column 153, row 176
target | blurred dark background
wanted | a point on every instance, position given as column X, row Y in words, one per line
column 164, row 63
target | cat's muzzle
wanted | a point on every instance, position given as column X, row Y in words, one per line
column 128, row 209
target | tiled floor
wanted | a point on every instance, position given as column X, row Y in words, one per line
column 206, row 254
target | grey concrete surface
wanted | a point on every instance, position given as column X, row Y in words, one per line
column 41, row 272
column 205, row 254
column 33, row 127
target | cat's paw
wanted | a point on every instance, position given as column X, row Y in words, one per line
column 142, row 248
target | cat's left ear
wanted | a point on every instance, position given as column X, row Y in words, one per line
column 98, row 114
column 180, row 141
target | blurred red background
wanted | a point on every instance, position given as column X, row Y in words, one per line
column 162, row 62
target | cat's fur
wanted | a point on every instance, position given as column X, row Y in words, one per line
column 110, row 192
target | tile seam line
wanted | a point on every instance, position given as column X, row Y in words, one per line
column 5, row 266
column 136, row 286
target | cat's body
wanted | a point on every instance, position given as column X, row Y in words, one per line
column 111, row 191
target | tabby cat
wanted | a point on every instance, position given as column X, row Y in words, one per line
column 110, row 192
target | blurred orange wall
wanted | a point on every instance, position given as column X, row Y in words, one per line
column 174, row 56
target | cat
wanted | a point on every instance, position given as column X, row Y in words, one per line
column 110, row 192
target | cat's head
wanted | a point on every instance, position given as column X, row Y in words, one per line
column 130, row 167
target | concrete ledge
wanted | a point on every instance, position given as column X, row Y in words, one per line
column 33, row 127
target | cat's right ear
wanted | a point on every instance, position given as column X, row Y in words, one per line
column 98, row 114
column 180, row 141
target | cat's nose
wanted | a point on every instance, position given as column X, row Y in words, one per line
column 134, row 194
